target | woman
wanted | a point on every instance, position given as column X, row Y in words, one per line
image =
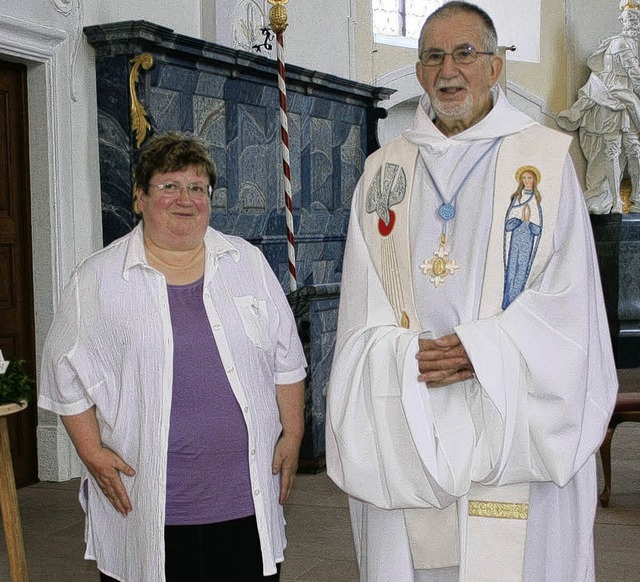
column 522, row 229
column 174, row 363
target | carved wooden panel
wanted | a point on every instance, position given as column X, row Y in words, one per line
column 16, row 290
column 4, row 166
column 7, row 276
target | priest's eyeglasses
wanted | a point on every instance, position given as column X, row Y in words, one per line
column 195, row 190
column 462, row 55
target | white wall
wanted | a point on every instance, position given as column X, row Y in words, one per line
column 587, row 22
column 183, row 16
column 318, row 35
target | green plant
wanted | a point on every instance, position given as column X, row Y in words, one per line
column 15, row 384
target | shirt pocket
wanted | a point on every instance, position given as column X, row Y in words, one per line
column 253, row 314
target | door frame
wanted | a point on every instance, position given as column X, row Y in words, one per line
column 22, row 427
column 47, row 53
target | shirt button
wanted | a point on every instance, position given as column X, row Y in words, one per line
column 253, row 451
column 256, row 492
column 217, row 326
column 246, row 409
column 230, row 370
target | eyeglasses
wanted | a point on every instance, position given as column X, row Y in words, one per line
column 194, row 190
column 463, row 55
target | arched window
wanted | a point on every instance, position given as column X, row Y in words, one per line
column 401, row 18
column 398, row 23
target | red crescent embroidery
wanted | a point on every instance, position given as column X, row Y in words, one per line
column 385, row 229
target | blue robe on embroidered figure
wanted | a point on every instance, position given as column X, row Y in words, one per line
column 521, row 238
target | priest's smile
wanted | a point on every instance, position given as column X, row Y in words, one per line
column 456, row 70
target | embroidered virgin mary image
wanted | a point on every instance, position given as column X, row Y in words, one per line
column 522, row 229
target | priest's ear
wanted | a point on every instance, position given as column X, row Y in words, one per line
column 497, row 63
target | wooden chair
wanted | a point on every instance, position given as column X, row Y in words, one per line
column 627, row 409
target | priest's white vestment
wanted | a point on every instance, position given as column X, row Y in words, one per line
column 411, row 458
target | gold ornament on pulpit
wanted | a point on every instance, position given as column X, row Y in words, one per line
column 139, row 124
column 278, row 15
column 625, row 195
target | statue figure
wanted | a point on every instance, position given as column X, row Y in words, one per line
column 607, row 114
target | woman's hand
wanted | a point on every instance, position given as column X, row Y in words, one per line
column 105, row 466
column 290, row 400
column 285, row 462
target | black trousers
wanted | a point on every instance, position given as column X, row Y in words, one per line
column 218, row 552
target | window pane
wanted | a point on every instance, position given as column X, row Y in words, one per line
column 386, row 17
column 416, row 13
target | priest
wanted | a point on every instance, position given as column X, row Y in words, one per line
column 473, row 377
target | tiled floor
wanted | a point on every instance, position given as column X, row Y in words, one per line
column 320, row 547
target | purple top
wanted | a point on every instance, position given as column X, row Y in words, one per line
column 207, row 464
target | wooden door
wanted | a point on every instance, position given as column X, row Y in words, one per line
column 16, row 278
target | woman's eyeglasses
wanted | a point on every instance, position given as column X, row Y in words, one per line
column 194, row 190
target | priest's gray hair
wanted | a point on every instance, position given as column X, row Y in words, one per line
column 454, row 7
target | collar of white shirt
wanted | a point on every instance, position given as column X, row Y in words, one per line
column 216, row 243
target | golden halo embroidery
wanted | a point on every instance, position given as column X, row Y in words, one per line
column 440, row 266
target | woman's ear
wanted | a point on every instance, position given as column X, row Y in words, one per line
column 136, row 202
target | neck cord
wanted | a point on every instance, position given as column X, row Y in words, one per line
column 447, row 210
column 441, row 265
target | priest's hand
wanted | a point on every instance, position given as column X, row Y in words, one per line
column 443, row 361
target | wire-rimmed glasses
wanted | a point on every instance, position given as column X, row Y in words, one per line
column 462, row 55
column 195, row 190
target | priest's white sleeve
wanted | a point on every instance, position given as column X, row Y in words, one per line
column 370, row 450
column 546, row 361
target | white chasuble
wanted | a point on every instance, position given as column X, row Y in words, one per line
column 466, row 453
column 494, row 514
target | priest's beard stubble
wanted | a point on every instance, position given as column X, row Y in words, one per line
column 452, row 110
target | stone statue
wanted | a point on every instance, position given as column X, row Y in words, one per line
column 607, row 114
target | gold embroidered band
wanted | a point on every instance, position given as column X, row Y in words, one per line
column 498, row 509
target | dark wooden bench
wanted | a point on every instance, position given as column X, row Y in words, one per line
column 627, row 409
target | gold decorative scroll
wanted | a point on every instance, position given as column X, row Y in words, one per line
column 139, row 123
column 278, row 15
column 498, row 509
column 625, row 195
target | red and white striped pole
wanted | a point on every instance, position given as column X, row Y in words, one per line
column 278, row 19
